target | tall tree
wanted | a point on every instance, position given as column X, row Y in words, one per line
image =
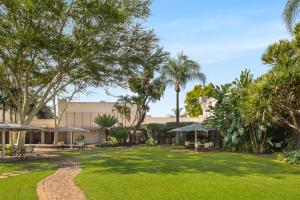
column 122, row 108
column 147, row 84
column 178, row 72
column 290, row 13
column 281, row 85
column 45, row 46
column 192, row 105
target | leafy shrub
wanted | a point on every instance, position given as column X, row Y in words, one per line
column 290, row 143
column 79, row 139
column 150, row 142
column 291, row 157
column 7, row 150
column 119, row 133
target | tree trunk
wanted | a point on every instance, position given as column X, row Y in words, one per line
column 21, row 134
column 3, row 112
column 21, row 138
column 177, row 89
column 12, row 134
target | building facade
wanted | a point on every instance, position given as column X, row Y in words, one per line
column 82, row 115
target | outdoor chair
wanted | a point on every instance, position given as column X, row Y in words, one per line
column 206, row 145
column 29, row 151
column 14, row 152
column 277, row 145
column 61, row 145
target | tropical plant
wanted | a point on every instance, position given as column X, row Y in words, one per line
column 231, row 118
column 120, row 133
column 178, row 72
column 281, row 85
column 150, row 142
column 291, row 157
column 106, row 120
column 79, row 139
column 192, row 106
column 290, row 13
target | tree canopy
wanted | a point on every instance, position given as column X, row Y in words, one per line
column 248, row 109
column 178, row 72
column 46, row 46
column 192, row 105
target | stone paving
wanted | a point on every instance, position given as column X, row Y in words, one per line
column 60, row 185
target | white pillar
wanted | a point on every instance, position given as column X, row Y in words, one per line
column 3, row 144
column 72, row 140
column 55, row 137
column 177, row 138
column 42, row 137
column 196, row 141
column 98, row 134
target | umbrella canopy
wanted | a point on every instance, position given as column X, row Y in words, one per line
column 193, row 127
column 14, row 126
column 68, row 129
column 189, row 128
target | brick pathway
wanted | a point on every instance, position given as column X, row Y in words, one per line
column 60, row 185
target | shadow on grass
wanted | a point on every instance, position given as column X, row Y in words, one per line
column 21, row 165
column 163, row 161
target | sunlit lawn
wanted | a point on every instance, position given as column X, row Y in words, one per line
column 159, row 173
column 23, row 186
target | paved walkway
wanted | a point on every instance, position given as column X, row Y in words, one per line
column 60, row 185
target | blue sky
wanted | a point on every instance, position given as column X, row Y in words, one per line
column 224, row 36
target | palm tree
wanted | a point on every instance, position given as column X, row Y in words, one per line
column 291, row 10
column 178, row 72
column 105, row 121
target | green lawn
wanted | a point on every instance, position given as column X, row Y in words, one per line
column 157, row 173
column 23, row 187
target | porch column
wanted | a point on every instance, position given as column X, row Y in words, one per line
column 176, row 138
column 55, row 138
column 98, row 137
column 3, row 144
column 30, row 138
column 42, row 137
column 11, row 141
column 72, row 140
column 196, row 141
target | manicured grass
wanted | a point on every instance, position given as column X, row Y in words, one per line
column 159, row 173
column 23, row 187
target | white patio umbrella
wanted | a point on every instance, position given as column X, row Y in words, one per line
column 13, row 127
column 192, row 127
column 68, row 129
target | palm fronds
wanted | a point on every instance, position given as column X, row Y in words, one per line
column 290, row 13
